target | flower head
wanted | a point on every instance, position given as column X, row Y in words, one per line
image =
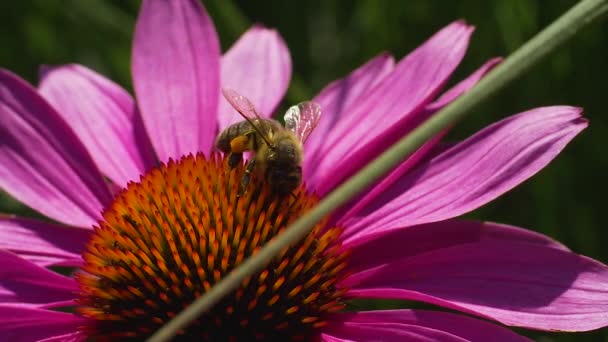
column 144, row 252
column 169, row 238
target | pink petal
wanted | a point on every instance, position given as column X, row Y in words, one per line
column 516, row 283
column 27, row 324
column 366, row 154
column 335, row 100
column 329, row 338
column 472, row 173
column 412, row 241
column 386, row 332
column 429, row 148
column 25, row 283
column 258, row 66
column 69, row 337
column 463, row 86
column 393, row 103
column 462, row 326
column 176, row 70
column 426, row 150
column 103, row 116
column 43, row 244
column 360, row 201
column 42, row 162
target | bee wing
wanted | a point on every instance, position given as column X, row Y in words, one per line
column 241, row 104
column 302, row 119
column 247, row 110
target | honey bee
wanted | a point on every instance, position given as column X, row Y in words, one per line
column 277, row 150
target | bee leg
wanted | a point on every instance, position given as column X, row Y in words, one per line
column 247, row 176
column 234, row 159
column 295, row 200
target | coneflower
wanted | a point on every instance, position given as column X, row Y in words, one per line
column 142, row 239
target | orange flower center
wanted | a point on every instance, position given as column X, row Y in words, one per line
column 169, row 238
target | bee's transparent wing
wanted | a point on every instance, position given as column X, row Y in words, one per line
column 247, row 111
column 302, row 119
column 241, row 104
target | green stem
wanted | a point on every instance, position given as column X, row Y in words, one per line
column 560, row 31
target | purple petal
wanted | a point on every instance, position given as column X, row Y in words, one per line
column 69, row 337
column 462, row 326
column 42, row 162
column 374, row 332
column 411, row 241
column 336, row 98
column 43, row 244
column 27, row 324
column 329, row 338
column 23, row 282
column 176, row 71
column 365, row 154
column 472, row 173
column 516, row 283
column 392, row 104
column 103, row 116
column 463, row 86
column 258, row 66
column 360, row 201
column 429, row 148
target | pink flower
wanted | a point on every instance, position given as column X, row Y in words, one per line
column 68, row 146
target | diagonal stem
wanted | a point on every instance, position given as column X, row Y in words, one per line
column 563, row 29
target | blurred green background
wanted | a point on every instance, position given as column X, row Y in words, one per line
column 327, row 39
